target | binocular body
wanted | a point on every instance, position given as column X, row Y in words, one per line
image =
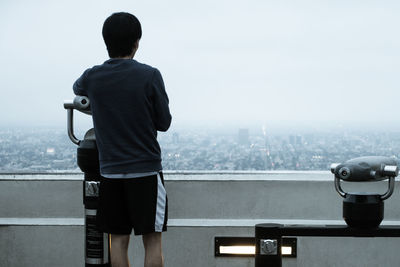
column 365, row 210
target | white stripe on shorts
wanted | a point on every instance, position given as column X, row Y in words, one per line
column 161, row 205
column 129, row 175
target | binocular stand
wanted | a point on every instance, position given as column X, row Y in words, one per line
column 269, row 237
column 362, row 212
column 97, row 244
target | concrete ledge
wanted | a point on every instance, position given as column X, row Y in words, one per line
column 216, row 196
column 41, row 222
column 171, row 222
column 177, row 222
column 185, row 246
column 189, row 176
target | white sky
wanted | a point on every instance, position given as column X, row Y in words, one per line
column 223, row 62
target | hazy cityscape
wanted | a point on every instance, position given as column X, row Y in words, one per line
column 50, row 150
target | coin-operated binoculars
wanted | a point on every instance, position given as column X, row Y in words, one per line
column 97, row 244
column 364, row 210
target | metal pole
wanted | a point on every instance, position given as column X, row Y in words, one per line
column 97, row 244
column 268, row 245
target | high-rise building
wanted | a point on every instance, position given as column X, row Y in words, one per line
column 292, row 139
column 243, row 136
column 175, row 138
column 299, row 140
column 295, row 139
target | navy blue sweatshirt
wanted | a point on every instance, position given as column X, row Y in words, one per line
column 129, row 105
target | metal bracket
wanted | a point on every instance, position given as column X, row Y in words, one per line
column 92, row 188
column 268, row 247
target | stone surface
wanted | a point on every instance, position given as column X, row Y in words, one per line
column 41, row 218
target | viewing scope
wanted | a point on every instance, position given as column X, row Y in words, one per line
column 365, row 210
column 97, row 243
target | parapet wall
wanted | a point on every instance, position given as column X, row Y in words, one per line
column 46, row 210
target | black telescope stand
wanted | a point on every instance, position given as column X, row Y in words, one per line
column 97, row 244
column 269, row 237
column 362, row 211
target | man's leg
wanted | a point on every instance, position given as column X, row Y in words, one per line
column 153, row 250
column 119, row 250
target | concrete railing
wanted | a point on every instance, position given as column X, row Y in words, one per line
column 47, row 209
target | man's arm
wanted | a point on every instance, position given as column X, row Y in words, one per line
column 162, row 114
column 79, row 86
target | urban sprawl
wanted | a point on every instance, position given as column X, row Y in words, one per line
column 50, row 150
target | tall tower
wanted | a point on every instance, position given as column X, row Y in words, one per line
column 243, row 136
column 268, row 159
column 175, row 138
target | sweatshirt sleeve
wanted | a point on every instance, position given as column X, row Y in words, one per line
column 80, row 85
column 162, row 114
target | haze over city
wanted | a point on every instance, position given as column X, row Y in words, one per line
column 223, row 62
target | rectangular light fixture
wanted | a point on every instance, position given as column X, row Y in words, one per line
column 286, row 250
column 245, row 247
column 241, row 250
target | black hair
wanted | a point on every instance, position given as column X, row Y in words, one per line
column 120, row 32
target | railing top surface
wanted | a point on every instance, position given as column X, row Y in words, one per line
column 194, row 175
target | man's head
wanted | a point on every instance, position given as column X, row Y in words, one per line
column 121, row 33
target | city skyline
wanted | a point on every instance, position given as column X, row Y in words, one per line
column 50, row 150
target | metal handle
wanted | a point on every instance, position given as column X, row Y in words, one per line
column 80, row 103
column 70, row 126
column 388, row 193
column 338, row 187
column 390, row 189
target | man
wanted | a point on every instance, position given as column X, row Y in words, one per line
column 129, row 105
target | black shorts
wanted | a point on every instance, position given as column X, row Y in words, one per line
column 138, row 203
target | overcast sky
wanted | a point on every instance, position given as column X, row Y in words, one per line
column 223, row 62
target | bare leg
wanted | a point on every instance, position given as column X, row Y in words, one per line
column 119, row 250
column 153, row 250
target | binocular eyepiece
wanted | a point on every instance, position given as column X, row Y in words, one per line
column 80, row 103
